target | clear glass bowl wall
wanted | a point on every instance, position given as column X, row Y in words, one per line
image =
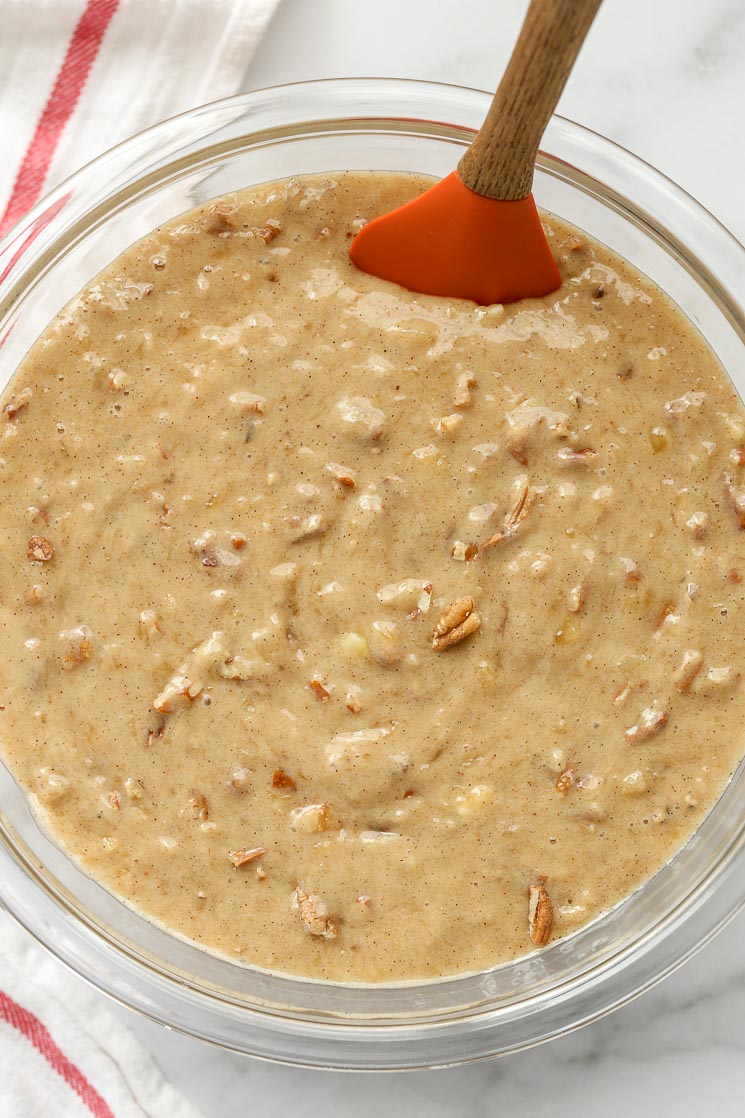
column 60, row 246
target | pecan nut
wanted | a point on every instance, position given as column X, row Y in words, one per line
column 540, row 915
column 457, row 622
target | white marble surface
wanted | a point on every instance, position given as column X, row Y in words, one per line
column 664, row 78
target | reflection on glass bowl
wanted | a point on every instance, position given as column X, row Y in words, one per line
column 60, row 246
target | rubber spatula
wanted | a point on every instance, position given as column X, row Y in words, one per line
column 477, row 234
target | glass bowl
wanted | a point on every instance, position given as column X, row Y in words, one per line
column 57, row 248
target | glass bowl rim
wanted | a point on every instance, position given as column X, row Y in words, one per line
column 169, row 129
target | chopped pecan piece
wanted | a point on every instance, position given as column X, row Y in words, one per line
column 457, row 622
column 651, row 721
column 40, row 549
column 319, row 690
column 154, row 733
column 447, row 424
column 280, row 779
column 676, row 408
column 463, row 386
column 240, row 780
column 180, row 691
column 303, row 528
column 736, row 500
column 249, row 402
column 577, row 597
column 218, row 220
column 314, row 914
column 134, row 788
column 38, row 514
column 717, row 680
column 219, row 557
column 513, row 520
column 409, row 592
column 79, row 646
column 519, row 451
column 632, row 575
column 540, row 915
column 570, row 630
column 526, row 420
column 347, row 478
column 199, row 806
column 241, row 857
column 313, row 818
column 666, row 611
column 51, row 786
column 16, row 405
column 571, row 454
column 384, row 643
column 269, row 231
column 241, row 668
column 565, row 781
column 361, row 417
column 149, row 625
column 353, row 703
column 621, row 696
column 464, row 553
column 690, row 666
column 698, row 525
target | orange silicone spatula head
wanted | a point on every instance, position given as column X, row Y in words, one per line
column 477, row 233
column 452, row 241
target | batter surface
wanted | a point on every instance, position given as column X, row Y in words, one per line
column 359, row 634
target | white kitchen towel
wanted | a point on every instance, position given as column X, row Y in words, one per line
column 62, row 1052
column 77, row 76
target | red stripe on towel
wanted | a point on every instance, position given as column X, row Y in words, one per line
column 38, row 1035
column 81, row 54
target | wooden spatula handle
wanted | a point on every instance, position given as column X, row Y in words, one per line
column 500, row 161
